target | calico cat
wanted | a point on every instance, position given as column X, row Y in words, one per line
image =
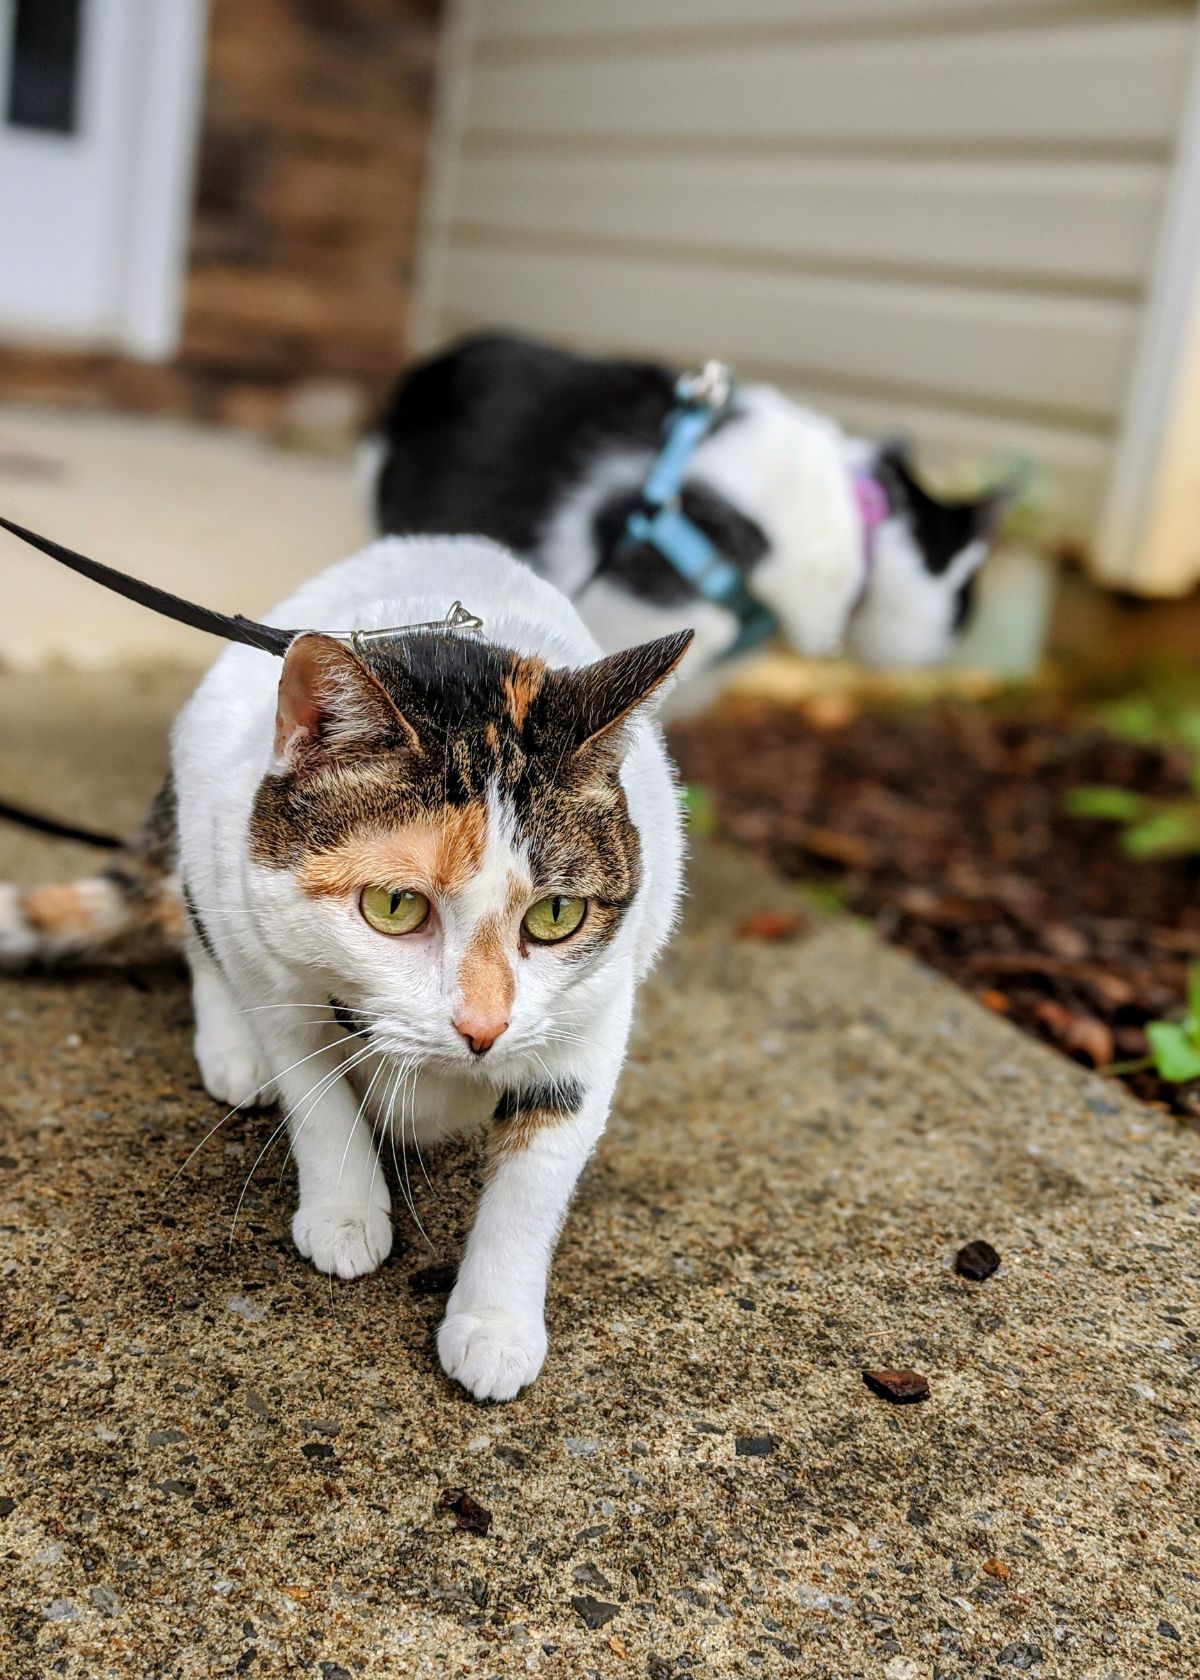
column 546, row 452
column 418, row 880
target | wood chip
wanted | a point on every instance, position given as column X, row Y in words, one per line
column 1079, row 1035
column 902, row 1388
column 772, row 925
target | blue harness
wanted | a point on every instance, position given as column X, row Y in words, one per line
column 660, row 521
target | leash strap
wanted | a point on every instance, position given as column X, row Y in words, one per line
column 233, row 629
column 660, row 522
column 265, row 637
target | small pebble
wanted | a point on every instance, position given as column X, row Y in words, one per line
column 903, row 1388
column 594, row 1611
column 471, row 1515
column 588, row 1575
column 251, row 1311
column 754, row 1446
column 976, row 1260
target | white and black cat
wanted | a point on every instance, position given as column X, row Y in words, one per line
column 547, row 452
column 417, row 881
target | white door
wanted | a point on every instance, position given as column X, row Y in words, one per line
column 97, row 118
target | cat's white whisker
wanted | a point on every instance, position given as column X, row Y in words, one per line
column 249, row 1103
column 413, row 1074
column 283, row 1125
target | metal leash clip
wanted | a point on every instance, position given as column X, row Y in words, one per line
column 710, row 388
column 458, row 618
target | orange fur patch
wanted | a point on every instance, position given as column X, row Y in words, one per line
column 169, row 912
column 521, row 685
column 519, row 1132
column 433, row 856
column 485, row 975
column 70, row 909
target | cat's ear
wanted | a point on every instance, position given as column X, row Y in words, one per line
column 893, row 467
column 594, row 702
column 989, row 511
column 330, row 704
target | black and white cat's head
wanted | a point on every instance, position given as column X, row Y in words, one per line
column 891, row 589
column 920, row 568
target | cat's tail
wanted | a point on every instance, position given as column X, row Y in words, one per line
column 130, row 911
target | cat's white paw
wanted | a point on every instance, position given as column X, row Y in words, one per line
column 343, row 1238
column 231, row 1065
column 493, row 1354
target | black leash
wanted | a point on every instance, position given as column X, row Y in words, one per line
column 234, row 629
column 247, row 631
column 60, row 830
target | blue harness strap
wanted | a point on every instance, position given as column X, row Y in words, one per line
column 660, row 521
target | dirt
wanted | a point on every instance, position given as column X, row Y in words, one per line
column 946, row 827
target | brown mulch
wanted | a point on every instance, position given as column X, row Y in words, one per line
column 945, row 826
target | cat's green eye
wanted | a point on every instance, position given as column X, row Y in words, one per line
column 389, row 911
column 554, row 918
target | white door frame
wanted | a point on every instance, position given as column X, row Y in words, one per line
column 1148, row 539
column 163, row 154
column 158, row 82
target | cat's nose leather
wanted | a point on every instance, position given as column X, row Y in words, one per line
column 480, row 1031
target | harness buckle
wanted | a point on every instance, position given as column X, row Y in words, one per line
column 457, row 618
column 710, row 388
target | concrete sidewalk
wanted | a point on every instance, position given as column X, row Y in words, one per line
column 213, row 1463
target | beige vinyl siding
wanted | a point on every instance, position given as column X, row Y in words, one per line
column 928, row 216
column 540, row 23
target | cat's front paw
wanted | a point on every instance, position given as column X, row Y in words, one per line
column 493, row 1354
column 343, row 1238
column 231, row 1066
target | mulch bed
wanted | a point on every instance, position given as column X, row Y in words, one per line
column 945, row 826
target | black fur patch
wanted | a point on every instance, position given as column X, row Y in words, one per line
column 198, row 927
column 157, row 838
column 488, row 436
column 941, row 529
column 563, row 1097
column 348, row 1020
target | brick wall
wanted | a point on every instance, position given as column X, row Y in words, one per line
column 316, row 114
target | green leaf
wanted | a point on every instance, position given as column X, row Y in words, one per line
column 1187, row 727
column 1170, row 831
column 1111, row 804
column 1138, row 717
column 1176, row 1055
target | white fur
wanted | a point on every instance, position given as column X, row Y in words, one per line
column 263, row 1021
column 791, row 471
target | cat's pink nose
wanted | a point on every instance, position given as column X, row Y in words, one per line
column 480, row 1031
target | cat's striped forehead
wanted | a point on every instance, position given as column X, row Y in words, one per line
column 445, row 768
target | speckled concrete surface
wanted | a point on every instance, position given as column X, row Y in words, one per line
column 215, row 1464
